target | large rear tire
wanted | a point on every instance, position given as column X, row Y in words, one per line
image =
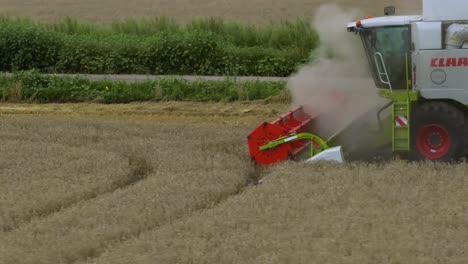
column 438, row 132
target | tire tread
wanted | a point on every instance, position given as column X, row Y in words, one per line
column 459, row 118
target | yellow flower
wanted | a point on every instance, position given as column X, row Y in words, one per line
column 107, row 88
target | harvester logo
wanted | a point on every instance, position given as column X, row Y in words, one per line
column 449, row 62
column 438, row 76
column 401, row 121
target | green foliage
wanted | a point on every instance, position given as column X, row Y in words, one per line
column 24, row 47
column 33, row 86
column 87, row 55
column 187, row 53
column 145, row 26
column 155, row 46
column 287, row 34
column 264, row 62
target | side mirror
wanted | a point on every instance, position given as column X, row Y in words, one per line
column 389, row 10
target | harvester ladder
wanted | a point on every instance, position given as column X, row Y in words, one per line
column 401, row 116
column 401, row 126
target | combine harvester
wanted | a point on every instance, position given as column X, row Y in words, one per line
column 420, row 64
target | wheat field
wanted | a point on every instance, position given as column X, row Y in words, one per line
column 173, row 183
column 71, row 187
column 357, row 213
column 253, row 11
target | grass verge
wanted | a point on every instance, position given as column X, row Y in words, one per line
column 33, row 87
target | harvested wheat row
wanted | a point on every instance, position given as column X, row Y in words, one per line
column 356, row 213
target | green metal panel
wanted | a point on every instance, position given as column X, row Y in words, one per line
column 401, row 114
column 314, row 150
column 401, row 119
column 399, row 95
column 401, row 126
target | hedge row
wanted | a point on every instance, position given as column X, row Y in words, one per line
column 287, row 34
column 26, row 46
column 34, row 87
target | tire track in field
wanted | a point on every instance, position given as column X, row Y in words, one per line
column 95, row 252
column 213, row 170
column 251, row 180
column 139, row 170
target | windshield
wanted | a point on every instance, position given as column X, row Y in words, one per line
column 393, row 44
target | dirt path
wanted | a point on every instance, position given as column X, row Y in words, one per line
column 191, row 78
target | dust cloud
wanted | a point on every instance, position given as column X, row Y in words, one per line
column 339, row 66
